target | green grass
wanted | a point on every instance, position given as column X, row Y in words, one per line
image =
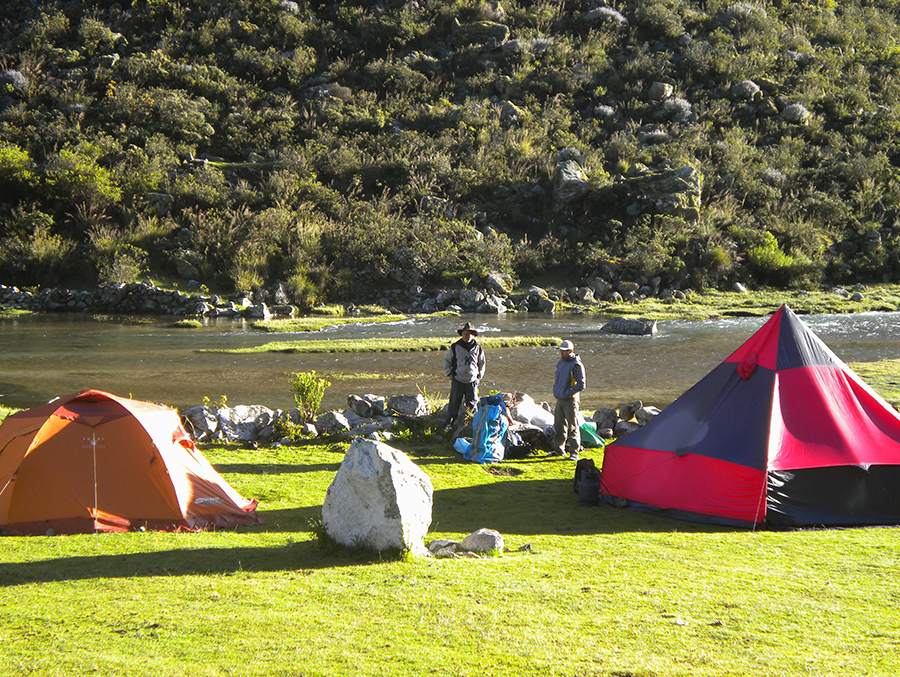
column 317, row 323
column 187, row 324
column 327, row 320
column 882, row 376
column 603, row 592
column 386, row 345
column 373, row 376
column 713, row 304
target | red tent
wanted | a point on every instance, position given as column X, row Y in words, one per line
column 782, row 433
column 96, row 462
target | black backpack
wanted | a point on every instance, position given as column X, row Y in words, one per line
column 585, row 470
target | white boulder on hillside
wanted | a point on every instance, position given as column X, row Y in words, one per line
column 378, row 500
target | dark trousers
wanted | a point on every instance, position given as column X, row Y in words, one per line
column 567, row 435
column 461, row 392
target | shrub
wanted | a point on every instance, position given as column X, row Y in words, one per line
column 302, row 290
column 95, row 35
column 40, row 257
column 47, row 29
column 16, row 172
column 309, row 390
column 126, row 264
column 75, row 176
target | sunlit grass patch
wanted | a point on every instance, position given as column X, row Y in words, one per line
column 882, row 376
column 316, row 323
column 373, row 376
column 712, row 303
column 391, row 345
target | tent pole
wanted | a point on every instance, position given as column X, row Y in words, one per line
column 94, row 450
column 8, row 482
column 762, row 495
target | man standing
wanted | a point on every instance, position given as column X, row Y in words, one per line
column 567, row 386
column 464, row 366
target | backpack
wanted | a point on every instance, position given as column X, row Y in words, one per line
column 488, row 428
column 585, row 470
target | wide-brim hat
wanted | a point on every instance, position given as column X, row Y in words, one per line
column 566, row 345
column 467, row 327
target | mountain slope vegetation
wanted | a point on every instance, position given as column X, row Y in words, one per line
column 345, row 147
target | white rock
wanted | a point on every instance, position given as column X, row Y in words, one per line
column 378, row 500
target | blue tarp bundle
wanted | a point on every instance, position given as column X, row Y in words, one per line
column 488, row 429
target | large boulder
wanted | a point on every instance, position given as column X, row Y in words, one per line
column 485, row 33
column 499, row 283
column 673, row 191
column 378, row 500
column 470, row 298
column 570, row 183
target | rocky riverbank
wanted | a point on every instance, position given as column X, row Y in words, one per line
column 380, row 418
column 494, row 297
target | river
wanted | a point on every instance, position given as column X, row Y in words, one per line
column 44, row 356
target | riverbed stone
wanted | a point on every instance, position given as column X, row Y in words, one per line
column 640, row 326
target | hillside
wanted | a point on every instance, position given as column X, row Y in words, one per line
column 346, row 148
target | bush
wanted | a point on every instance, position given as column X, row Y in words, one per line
column 16, row 172
column 75, row 176
column 126, row 264
column 309, row 390
column 39, row 258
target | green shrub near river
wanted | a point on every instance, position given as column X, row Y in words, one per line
column 344, row 148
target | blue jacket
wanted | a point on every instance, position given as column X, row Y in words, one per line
column 569, row 377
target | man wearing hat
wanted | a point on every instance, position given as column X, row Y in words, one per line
column 567, row 386
column 464, row 366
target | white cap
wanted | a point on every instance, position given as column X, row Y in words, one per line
column 566, row 345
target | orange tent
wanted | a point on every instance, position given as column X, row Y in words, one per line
column 96, row 462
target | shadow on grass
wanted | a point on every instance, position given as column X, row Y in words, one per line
column 275, row 468
column 516, row 507
column 542, row 507
column 298, row 556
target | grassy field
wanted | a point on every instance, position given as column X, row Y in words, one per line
column 599, row 592
column 603, row 591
